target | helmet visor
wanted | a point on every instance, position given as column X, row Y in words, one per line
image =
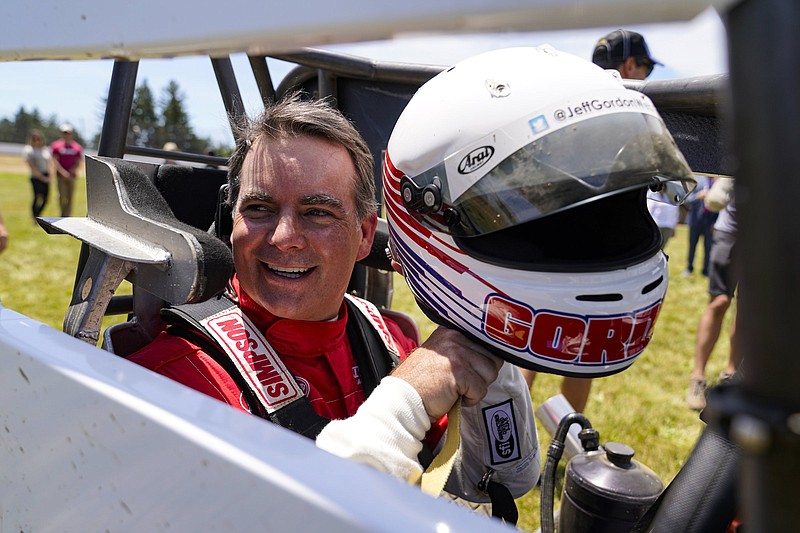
column 579, row 163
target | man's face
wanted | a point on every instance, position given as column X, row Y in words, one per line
column 641, row 68
column 296, row 235
column 636, row 68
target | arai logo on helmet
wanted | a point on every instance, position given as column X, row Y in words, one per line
column 475, row 159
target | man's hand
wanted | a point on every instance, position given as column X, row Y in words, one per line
column 446, row 366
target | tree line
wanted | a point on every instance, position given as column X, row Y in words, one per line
column 18, row 128
column 153, row 122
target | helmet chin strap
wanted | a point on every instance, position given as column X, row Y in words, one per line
column 435, row 476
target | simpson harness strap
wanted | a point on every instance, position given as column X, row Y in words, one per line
column 219, row 327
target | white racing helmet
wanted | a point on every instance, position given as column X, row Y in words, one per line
column 515, row 186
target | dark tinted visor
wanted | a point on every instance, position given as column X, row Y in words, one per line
column 576, row 164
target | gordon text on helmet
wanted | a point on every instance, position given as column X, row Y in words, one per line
column 579, row 340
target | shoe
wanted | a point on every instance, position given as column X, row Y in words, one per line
column 696, row 395
column 724, row 377
column 686, row 273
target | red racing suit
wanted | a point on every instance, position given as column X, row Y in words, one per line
column 320, row 358
column 318, row 354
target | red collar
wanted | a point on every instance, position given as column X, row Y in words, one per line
column 297, row 338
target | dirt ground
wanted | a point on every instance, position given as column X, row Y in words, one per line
column 13, row 164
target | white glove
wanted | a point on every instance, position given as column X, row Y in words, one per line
column 498, row 434
column 385, row 433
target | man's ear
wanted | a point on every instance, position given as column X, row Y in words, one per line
column 627, row 68
column 397, row 267
column 368, row 226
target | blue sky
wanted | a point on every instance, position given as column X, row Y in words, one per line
column 73, row 90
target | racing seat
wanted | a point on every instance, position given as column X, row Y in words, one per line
column 192, row 193
column 132, row 232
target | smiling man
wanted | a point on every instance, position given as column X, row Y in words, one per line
column 286, row 344
column 296, row 227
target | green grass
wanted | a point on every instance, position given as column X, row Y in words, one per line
column 642, row 407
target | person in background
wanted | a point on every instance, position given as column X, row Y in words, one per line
column 209, row 152
column 170, row 146
column 3, row 234
column 37, row 156
column 66, row 155
column 664, row 213
column 722, row 284
column 627, row 52
column 700, row 221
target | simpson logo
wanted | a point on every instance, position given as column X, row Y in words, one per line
column 255, row 359
column 501, row 430
column 475, row 159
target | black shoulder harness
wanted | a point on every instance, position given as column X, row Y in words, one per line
column 369, row 351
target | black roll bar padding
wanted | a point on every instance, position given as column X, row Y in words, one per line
column 192, row 193
column 326, row 85
column 378, row 256
column 699, row 95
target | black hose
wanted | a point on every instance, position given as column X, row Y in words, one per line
column 554, row 453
